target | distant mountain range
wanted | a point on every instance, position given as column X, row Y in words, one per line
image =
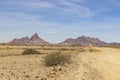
column 83, row 40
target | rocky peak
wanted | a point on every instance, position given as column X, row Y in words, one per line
column 88, row 38
column 83, row 40
column 34, row 40
column 35, row 37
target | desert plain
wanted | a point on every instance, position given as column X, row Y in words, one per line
column 87, row 63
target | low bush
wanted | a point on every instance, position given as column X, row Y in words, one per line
column 93, row 49
column 30, row 51
column 58, row 58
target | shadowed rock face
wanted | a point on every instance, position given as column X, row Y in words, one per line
column 35, row 37
column 83, row 40
column 34, row 40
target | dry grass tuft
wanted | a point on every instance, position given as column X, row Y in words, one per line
column 58, row 58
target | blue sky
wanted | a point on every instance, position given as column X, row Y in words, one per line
column 56, row 20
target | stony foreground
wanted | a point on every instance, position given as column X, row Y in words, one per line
column 103, row 65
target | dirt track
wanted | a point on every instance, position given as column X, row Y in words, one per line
column 104, row 65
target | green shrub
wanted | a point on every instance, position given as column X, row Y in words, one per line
column 54, row 59
column 30, row 51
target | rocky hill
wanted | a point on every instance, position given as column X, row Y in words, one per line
column 85, row 41
column 34, row 40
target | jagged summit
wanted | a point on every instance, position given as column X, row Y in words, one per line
column 34, row 40
column 35, row 37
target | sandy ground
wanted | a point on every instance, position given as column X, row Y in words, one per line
column 103, row 65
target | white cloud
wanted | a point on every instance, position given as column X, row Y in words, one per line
column 61, row 6
column 16, row 19
column 76, row 9
column 28, row 4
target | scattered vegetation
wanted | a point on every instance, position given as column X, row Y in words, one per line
column 89, row 49
column 57, row 58
column 30, row 51
column 93, row 49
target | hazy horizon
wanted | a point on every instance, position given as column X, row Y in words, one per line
column 57, row 20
